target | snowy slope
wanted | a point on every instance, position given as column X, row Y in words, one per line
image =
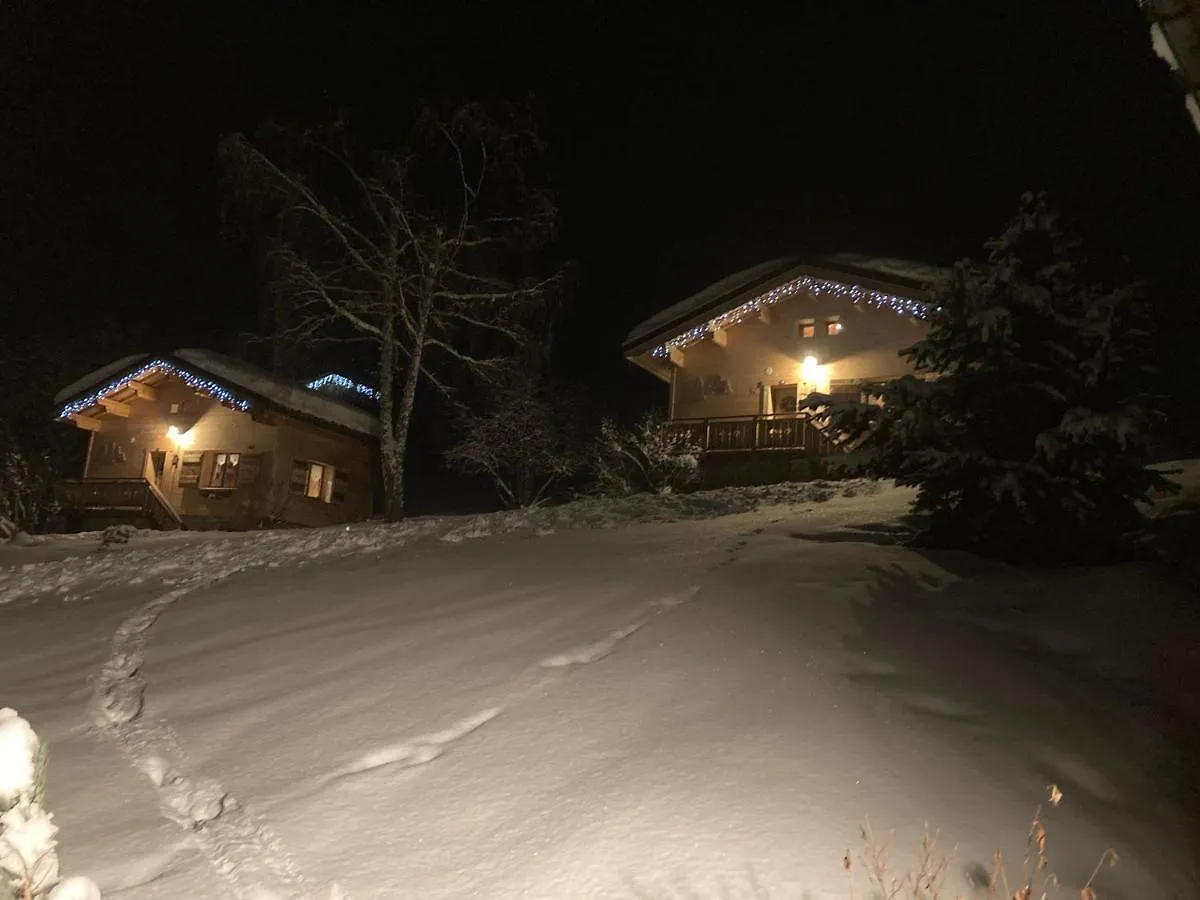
column 599, row 700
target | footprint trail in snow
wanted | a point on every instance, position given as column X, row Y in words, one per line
column 418, row 751
column 427, row 748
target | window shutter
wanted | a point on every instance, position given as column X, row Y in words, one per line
column 248, row 469
column 299, row 481
column 207, row 460
column 189, row 467
column 339, row 486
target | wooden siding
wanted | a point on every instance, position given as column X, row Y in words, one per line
column 734, row 378
column 267, row 444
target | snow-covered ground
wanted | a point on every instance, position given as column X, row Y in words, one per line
column 661, row 697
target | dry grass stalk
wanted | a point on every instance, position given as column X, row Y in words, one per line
column 926, row 880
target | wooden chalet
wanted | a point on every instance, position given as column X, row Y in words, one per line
column 740, row 356
column 196, row 439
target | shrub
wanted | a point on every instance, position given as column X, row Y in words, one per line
column 520, row 442
column 646, row 457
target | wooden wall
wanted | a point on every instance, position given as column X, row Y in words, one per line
column 268, row 444
column 731, row 380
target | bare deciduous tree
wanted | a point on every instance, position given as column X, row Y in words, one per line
column 519, row 441
column 429, row 253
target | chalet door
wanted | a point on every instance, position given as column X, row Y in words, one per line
column 784, row 398
column 157, row 465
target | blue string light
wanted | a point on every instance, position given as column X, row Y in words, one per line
column 196, row 382
column 818, row 287
column 344, row 383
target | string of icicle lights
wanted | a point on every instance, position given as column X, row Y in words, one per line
column 196, row 382
column 818, row 287
column 346, row 384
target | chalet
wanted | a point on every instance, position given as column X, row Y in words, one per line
column 197, row 439
column 741, row 355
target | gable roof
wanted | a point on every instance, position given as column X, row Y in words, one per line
column 235, row 383
column 716, row 294
column 876, row 281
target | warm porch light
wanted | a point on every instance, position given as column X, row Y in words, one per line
column 808, row 368
column 181, row 438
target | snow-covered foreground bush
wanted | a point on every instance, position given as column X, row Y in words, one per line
column 28, row 849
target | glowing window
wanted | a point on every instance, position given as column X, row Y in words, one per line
column 225, row 470
column 315, row 480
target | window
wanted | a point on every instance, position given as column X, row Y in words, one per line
column 833, row 326
column 225, row 470
column 808, row 328
column 310, row 479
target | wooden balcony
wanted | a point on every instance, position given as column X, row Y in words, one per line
column 781, row 431
column 97, row 502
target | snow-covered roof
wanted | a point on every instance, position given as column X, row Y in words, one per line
column 287, row 396
column 104, row 373
column 229, row 380
column 918, row 274
column 875, row 281
column 727, row 288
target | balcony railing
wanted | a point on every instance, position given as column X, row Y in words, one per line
column 134, row 500
column 781, row 431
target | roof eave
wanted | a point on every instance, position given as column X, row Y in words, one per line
column 659, row 368
column 845, row 275
column 258, row 399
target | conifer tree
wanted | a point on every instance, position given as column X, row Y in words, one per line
column 1024, row 428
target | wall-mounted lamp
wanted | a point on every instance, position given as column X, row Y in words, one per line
column 808, row 368
column 181, row 438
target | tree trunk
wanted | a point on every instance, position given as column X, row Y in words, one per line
column 395, row 413
column 391, row 460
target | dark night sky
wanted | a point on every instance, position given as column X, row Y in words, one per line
column 686, row 145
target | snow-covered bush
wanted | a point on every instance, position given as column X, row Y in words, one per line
column 1025, row 428
column 28, row 849
column 646, row 457
column 522, row 442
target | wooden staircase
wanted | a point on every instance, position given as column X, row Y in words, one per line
column 98, row 502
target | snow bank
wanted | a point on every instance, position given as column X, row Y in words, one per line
column 181, row 558
column 583, row 709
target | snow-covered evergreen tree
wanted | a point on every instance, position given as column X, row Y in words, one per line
column 28, row 849
column 1024, row 428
